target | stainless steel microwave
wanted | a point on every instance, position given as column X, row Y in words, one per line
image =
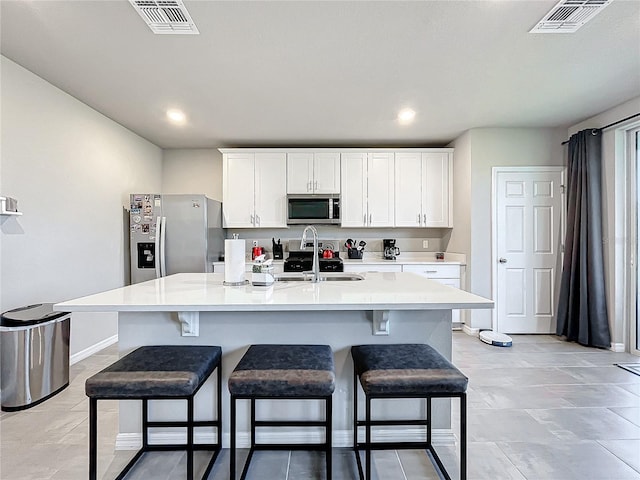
column 313, row 209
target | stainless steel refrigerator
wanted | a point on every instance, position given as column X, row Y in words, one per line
column 173, row 234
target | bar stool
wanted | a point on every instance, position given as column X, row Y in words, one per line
column 405, row 371
column 283, row 372
column 158, row 373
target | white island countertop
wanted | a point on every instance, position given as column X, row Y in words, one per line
column 205, row 292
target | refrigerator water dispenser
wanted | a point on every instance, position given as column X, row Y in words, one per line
column 146, row 255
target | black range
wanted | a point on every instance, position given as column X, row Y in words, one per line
column 302, row 261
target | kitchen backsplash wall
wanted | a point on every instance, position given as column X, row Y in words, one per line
column 408, row 239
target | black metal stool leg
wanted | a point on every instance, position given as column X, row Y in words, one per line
column 463, row 437
column 145, row 421
column 429, row 422
column 253, row 423
column 355, row 412
column 93, row 439
column 367, row 449
column 190, row 440
column 329, row 435
column 232, row 446
column 219, row 412
column 356, row 449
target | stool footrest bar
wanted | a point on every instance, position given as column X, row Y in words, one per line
column 289, row 423
column 362, row 423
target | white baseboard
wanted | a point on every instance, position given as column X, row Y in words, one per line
column 87, row 352
column 341, row 438
column 474, row 332
column 618, row 347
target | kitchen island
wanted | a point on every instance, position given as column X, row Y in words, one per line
column 197, row 309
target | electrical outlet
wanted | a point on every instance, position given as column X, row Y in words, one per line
column 255, row 243
column 425, row 243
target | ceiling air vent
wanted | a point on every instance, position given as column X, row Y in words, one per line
column 168, row 17
column 569, row 15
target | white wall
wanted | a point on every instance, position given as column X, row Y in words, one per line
column 614, row 191
column 482, row 149
column 71, row 170
column 192, row 171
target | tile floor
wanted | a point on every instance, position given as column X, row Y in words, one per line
column 543, row 409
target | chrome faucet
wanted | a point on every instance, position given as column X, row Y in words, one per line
column 315, row 269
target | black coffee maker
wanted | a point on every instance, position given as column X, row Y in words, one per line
column 389, row 248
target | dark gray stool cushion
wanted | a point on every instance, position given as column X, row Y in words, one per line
column 405, row 369
column 284, row 371
column 156, row 371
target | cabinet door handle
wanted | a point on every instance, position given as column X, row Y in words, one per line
column 419, row 219
column 315, row 185
column 308, row 186
column 253, row 220
column 425, row 219
column 370, row 219
column 430, row 271
column 258, row 220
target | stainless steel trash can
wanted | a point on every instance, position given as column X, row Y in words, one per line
column 34, row 348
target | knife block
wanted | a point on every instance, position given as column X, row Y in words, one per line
column 354, row 254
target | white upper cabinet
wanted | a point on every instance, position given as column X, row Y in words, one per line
column 378, row 188
column 270, row 190
column 367, row 189
column 254, row 190
column 353, row 193
column 423, row 189
column 313, row 172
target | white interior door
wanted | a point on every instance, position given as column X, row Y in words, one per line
column 633, row 253
column 528, row 213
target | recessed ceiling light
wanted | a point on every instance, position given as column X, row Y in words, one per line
column 176, row 116
column 406, row 116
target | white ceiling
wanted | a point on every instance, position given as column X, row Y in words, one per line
column 328, row 72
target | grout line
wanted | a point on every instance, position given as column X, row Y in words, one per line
column 404, row 475
column 288, row 466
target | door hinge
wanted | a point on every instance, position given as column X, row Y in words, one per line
column 561, row 188
column 562, row 248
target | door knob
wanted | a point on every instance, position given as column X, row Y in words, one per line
column 503, row 260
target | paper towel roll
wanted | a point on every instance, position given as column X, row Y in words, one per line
column 234, row 261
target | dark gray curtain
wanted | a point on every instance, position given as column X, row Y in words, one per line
column 582, row 309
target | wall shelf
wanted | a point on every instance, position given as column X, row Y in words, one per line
column 4, row 201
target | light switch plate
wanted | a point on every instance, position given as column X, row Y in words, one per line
column 425, row 244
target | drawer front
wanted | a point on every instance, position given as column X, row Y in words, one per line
column 452, row 282
column 434, row 271
column 372, row 268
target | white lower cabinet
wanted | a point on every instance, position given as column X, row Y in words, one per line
column 444, row 274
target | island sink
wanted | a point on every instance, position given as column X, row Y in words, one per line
column 323, row 277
